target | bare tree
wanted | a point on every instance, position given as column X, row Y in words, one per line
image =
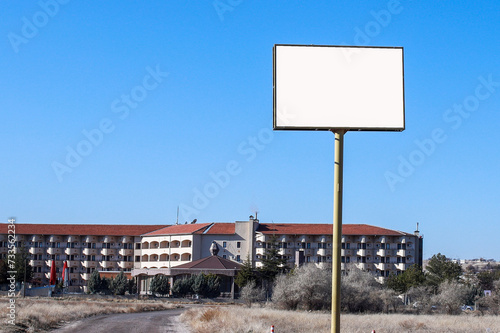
column 250, row 293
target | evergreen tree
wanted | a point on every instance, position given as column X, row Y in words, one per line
column 442, row 269
column 18, row 264
column 94, row 284
column 246, row 275
column 160, row 285
column 273, row 263
column 132, row 287
column 182, row 287
column 119, row 284
column 411, row 277
column 207, row 285
column 213, row 286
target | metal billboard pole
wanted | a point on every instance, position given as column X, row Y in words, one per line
column 337, row 228
column 338, row 88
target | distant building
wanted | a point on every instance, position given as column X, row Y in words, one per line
column 140, row 250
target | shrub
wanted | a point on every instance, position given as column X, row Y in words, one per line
column 307, row 287
column 250, row 293
column 160, row 285
column 183, row 287
column 119, row 284
column 206, row 285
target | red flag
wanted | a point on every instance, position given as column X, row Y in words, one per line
column 65, row 274
column 53, row 273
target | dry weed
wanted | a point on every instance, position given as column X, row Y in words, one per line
column 245, row 320
column 33, row 314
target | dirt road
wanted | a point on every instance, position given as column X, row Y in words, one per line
column 151, row 322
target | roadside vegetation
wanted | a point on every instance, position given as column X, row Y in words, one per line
column 245, row 320
column 444, row 287
column 42, row 314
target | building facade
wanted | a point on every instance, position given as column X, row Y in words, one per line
column 114, row 248
column 85, row 247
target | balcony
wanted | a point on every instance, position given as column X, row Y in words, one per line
column 58, row 263
column 37, row 238
column 89, row 252
column 400, row 266
column 126, row 264
column 126, row 252
column 321, row 252
column 35, row 263
column 88, row 263
column 381, row 252
column 36, row 250
column 126, row 239
column 361, row 252
column 362, row 266
column 72, row 238
column 86, row 276
column 401, row 253
column 107, row 252
column 70, row 251
column 74, row 276
column 107, row 264
column 382, row 266
column 89, row 239
column 344, row 252
column 54, row 250
column 54, row 239
column 73, row 263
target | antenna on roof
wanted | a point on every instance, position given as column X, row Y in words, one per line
column 177, row 221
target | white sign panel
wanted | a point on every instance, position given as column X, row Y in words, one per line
column 338, row 87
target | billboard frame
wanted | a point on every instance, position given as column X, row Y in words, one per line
column 348, row 50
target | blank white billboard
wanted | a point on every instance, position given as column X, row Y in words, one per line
column 338, row 87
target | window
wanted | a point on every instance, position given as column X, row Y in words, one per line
column 238, row 258
column 224, row 244
column 308, row 245
column 388, row 246
column 347, row 259
column 137, row 246
column 347, row 245
column 382, row 246
column 342, row 259
column 308, row 259
column 137, row 258
column 382, row 259
column 224, row 256
column 284, row 245
column 238, row 245
column 303, row 245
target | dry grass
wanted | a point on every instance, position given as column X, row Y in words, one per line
column 238, row 319
column 40, row 314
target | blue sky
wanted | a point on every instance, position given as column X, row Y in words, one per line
column 122, row 112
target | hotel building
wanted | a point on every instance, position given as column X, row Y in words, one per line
column 146, row 250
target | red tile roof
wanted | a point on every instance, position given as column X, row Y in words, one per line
column 219, row 229
column 212, row 262
column 324, row 229
column 80, row 229
column 179, row 229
